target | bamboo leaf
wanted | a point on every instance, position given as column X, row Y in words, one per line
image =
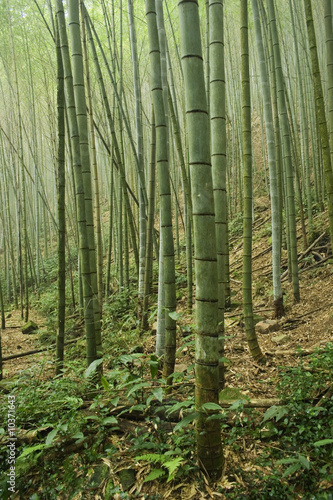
column 105, row 383
column 92, row 367
column 323, row 442
column 51, row 435
column 291, row 469
column 78, row 435
column 178, row 406
column 31, row 449
column 304, row 461
column 109, row 420
column 158, row 393
column 137, row 387
column 174, row 315
column 211, row 406
column 185, row 421
column 115, row 401
column 153, row 363
column 237, row 404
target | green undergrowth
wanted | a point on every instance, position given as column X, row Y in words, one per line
column 295, row 455
column 77, row 436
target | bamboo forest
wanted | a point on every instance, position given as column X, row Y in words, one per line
column 166, row 268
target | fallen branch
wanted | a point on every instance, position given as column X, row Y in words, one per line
column 267, row 250
column 35, row 351
column 316, row 264
column 303, row 254
column 253, row 403
column 300, row 316
column 260, row 222
column 306, row 352
column 262, row 267
column 234, row 315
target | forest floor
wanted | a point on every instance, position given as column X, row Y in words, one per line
column 15, row 343
column 306, row 326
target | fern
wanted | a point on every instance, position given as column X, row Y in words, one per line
column 154, row 474
column 152, row 457
column 171, row 465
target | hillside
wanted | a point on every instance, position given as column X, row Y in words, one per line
column 97, row 435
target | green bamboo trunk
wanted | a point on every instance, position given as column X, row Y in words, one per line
column 82, row 121
column 304, row 133
column 248, row 190
column 286, row 148
column 268, row 114
column 140, row 155
column 187, row 199
column 150, row 224
column 88, row 295
column 320, row 108
column 218, row 154
column 164, row 186
column 61, row 212
column 209, row 445
column 329, row 59
column 115, row 141
column 96, row 196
